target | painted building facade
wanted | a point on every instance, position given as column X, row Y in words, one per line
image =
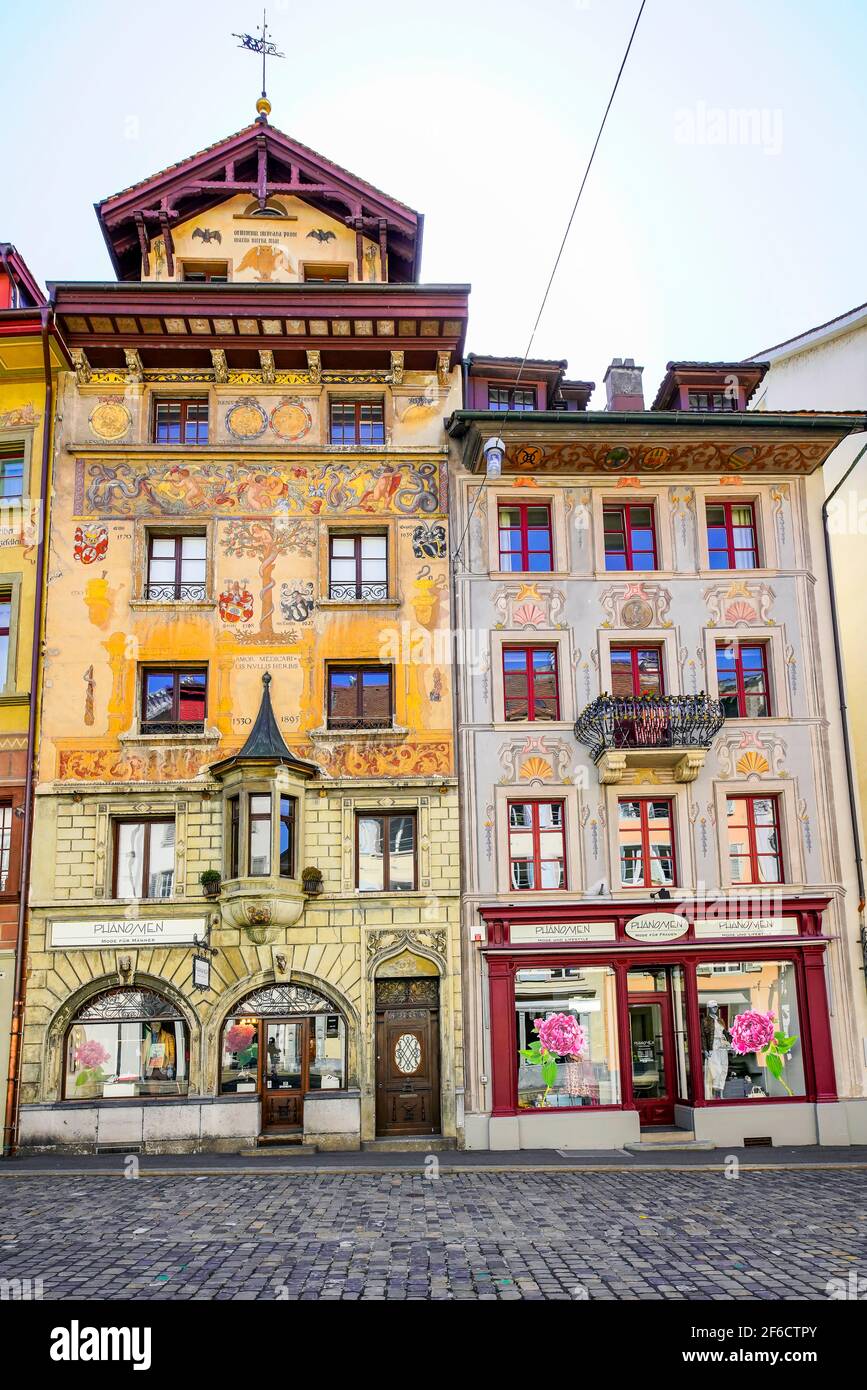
column 244, row 918
column 650, row 757
column 825, row 368
column 31, row 355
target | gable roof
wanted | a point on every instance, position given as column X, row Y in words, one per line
column 261, row 162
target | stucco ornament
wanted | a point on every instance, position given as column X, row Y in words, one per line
column 636, row 606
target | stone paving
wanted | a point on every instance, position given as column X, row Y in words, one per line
column 468, row 1235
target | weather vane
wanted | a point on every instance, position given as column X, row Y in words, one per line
column 261, row 44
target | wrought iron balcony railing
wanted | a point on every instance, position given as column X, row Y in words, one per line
column 613, row 724
column 163, row 726
column 175, row 593
column 365, row 592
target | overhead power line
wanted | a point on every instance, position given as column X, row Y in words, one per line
column 581, row 188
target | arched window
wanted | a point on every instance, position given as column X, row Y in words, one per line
column 127, row 1042
column 284, row 1039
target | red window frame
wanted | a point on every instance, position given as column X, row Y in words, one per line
column 753, row 852
column 190, row 430
column 634, row 649
column 625, row 513
column 739, row 649
column 524, row 528
column 537, row 854
column 7, row 823
column 530, row 695
column 354, row 421
column 731, row 551
column 647, row 880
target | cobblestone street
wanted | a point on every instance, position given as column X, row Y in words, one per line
column 473, row 1235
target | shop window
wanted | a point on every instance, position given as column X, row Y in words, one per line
column 753, row 831
column 359, row 697
column 537, row 845
column 11, row 473
column 259, row 835
column 181, row 421
column 127, row 1042
column 591, row 1077
column 177, row 568
column 357, row 567
column 731, row 536
column 299, row 1037
column 749, row 989
column 357, row 422
column 174, row 701
column 530, row 683
column 636, row 671
column 144, row 858
column 630, row 538
column 6, row 823
column 646, row 835
column 525, row 537
column 386, row 852
column 742, row 679
column 511, row 398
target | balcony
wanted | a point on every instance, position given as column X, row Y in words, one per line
column 670, row 733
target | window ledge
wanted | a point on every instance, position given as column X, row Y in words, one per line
column 133, row 737
column 359, row 603
column 151, row 605
column 359, row 735
column 14, row 697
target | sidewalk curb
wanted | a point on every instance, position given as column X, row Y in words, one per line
column 415, row 1170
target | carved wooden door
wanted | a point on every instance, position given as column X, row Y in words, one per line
column 407, row 1057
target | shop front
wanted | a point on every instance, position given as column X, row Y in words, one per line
column 610, row 1021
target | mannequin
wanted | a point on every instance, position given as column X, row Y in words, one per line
column 715, row 1046
column 158, row 1059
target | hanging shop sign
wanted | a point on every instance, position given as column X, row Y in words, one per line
column 201, row 972
column 555, row 933
column 127, row 931
column 746, row 926
column 656, row 926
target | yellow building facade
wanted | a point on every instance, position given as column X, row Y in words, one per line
column 244, row 919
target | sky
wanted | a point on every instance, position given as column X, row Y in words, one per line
column 725, row 210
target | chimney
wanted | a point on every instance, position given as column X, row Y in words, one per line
column 623, row 385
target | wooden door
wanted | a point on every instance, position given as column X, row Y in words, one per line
column 284, row 1047
column 653, row 1061
column 407, row 1058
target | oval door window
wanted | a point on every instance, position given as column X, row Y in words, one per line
column 407, row 1054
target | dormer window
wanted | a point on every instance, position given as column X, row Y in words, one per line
column 712, row 400
column 511, row 398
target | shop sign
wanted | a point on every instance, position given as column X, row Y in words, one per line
column 747, row 926
column 656, row 926
column 201, row 972
column 128, row 931
column 555, row 933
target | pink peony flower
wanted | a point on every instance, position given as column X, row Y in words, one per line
column 752, row 1031
column 562, row 1035
column 91, row 1054
column 239, row 1037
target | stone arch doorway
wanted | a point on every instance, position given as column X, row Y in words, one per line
column 407, row 997
column 287, row 1042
